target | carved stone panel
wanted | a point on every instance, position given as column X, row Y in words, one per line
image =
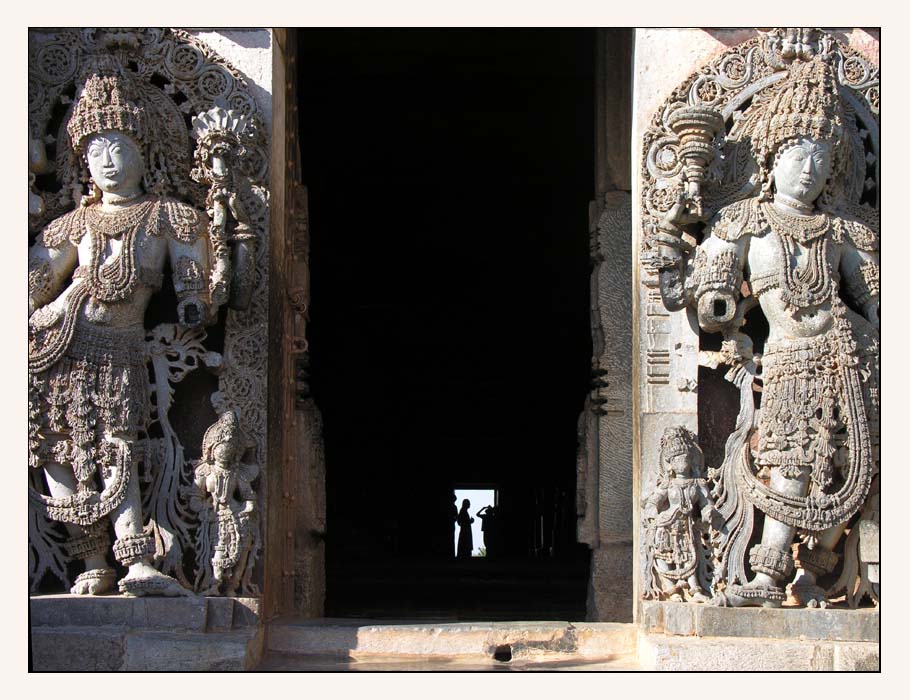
column 148, row 183
column 758, row 216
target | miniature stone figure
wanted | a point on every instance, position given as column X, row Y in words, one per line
column 808, row 256
column 677, row 513
column 88, row 380
column 227, row 540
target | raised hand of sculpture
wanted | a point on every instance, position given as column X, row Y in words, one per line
column 88, row 380
column 227, row 540
column 802, row 249
column 677, row 514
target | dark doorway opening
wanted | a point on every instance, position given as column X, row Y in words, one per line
column 449, row 175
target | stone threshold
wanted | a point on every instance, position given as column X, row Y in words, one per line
column 447, row 643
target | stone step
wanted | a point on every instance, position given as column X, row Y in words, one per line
column 321, row 664
column 365, row 643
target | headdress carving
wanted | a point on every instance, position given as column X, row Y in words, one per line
column 677, row 441
column 805, row 104
column 226, row 430
column 108, row 100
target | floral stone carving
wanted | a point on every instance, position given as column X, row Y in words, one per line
column 790, row 230
column 122, row 155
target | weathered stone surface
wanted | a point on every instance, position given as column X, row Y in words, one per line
column 827, row 624
column 89, row 611
column 857, row 657
column 188, row 613
column 219, row 614
column 522, row 640
column 247, row 611
column 610, row 586
column 239, row 650
column 77, row 649
column 663, row 653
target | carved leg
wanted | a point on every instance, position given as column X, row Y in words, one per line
column 699, row 595
column 89, row 544
column 812, row 563
column 134, row 548
column 771, row 560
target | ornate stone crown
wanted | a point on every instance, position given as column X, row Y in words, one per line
column 806, row 104
column 226, row 430
column 108, row 100
column 677, row 441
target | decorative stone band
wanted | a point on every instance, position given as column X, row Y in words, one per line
column 820, row 511
column 771, row 561
column 88, row 507
column 96, row 575
column 133, row 548
column 815, row 561
column 94, row 542
column 864, row 283
column 770, row 593
column 720, row 272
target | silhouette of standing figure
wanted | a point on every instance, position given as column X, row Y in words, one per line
column 465, row 538
column 488, row 515
column 454, row 519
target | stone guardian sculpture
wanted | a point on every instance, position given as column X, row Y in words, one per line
column 808, row 257
column 88, row 380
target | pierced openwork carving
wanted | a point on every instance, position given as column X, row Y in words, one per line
column 760, row 195
column 145, row 147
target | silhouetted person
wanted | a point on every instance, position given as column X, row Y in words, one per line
column 465, row 538
column 487, row 514
column 454, row 518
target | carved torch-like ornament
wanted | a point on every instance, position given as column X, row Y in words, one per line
column 696, row 127
column 219, row 135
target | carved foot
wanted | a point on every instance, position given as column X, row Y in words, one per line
column 750, row 595
column 809, row 594
column 699, row 596
column 94, row 582
column 144, row 580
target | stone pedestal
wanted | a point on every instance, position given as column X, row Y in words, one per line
column 116, row 633
column 682, row 636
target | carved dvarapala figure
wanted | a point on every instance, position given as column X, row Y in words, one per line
column 802, row 249
column 677, row 513
column 88, row 380
column 227, row 540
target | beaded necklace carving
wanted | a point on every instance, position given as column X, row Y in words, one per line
column 115, row 280
column 810, row 285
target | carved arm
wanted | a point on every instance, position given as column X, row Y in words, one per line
column 191, row 267
column 862, row 280
column 48, row 270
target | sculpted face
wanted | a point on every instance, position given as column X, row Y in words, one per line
column 115, row 162
column 802, row 169
column 680, row 465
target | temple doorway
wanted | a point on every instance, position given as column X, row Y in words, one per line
column 449, row 175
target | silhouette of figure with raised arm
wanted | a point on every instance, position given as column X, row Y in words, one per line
column 465, row 538
column 487, row 514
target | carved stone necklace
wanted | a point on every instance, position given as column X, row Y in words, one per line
column 798, row 227
column 810, row 285
column 116, row 279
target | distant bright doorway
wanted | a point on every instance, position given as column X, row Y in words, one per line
column 480, row 499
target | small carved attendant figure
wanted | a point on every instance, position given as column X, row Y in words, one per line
column 676, row 514
column 227, row 540
column 88, row 380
